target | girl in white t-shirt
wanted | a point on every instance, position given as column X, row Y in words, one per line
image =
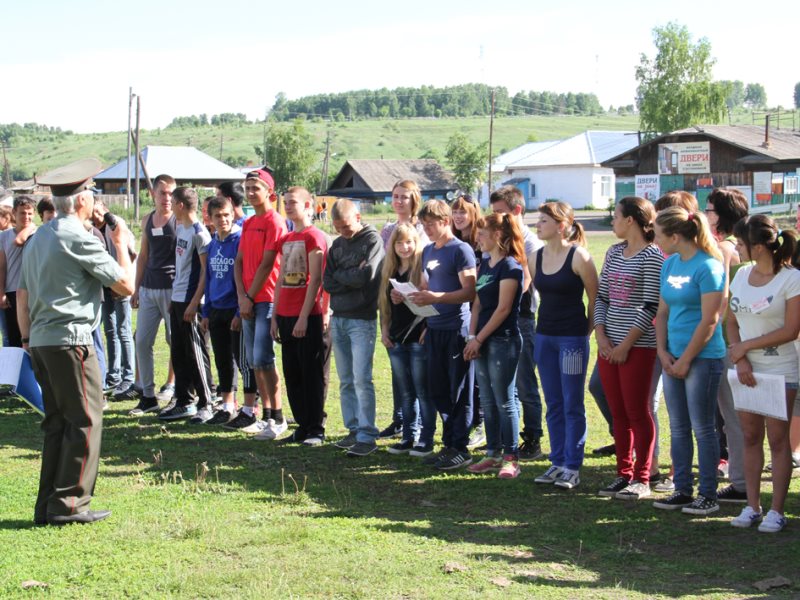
column 763, row 322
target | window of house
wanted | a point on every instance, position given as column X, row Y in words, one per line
column 533, row 190
column 605, row 185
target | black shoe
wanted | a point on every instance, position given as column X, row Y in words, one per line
column 362, row 449
column 530, row 450
column 403, row 447
column 609, row 450
column 221, row 417
column 394, row 429
column 701, row 506
column 87, row 516
column 146, row 405
column 123, row 395
column 674, row 502
column 610, row 491
column 240, row 421
column 731, row 494
column 455, row 460
column 109, row 390
column 431, row 459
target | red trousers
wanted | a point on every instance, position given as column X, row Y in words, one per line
column 627, row 389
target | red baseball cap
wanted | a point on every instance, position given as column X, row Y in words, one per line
column 264, row 176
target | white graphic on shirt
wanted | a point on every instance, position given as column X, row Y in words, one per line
column 432, row 264
column 677, row 281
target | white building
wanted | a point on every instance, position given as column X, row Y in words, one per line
column 567, row 170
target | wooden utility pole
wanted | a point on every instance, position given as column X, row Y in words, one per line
column 7, row 182
column 221, row 142
column 323, row 182
column 128, row 155
column 491, row 135
column 136, row 199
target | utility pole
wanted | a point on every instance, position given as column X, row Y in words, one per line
column 7, row 182
column 323, row 183
column 136, row 199
column 491, row 135
column 128, row 156
column 221, row 138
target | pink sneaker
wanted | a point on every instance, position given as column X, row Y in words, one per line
column 485, row 465
column 510, row 467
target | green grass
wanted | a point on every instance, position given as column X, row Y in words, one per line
column 275, row 521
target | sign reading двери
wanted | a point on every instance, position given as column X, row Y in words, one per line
column 678, row 159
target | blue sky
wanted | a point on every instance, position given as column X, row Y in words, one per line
column 72, row 63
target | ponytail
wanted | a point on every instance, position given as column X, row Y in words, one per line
column 692, row 226
column 511, row 242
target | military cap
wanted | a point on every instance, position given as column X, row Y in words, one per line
column 72, row 178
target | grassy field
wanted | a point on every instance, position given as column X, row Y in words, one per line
column 202, row 513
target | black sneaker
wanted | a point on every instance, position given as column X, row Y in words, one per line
column 731, row 494
column 432, row 459
column 610, row 491
column 294, row 438
column 221, row 417
column 395, row 429
column 177, row 412
column 347, row 442
column 146, row 405
column 455, row 460
column 401, row 447
column 609, row 450
column 421, row 450
column 362, row 449
column 674, row 501
column 240, row 421
column 530, row 450
column 129, row 394
column 701, row 506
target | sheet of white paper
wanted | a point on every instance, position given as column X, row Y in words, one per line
column 10, row 364
column 407, row 288
column 767, row 398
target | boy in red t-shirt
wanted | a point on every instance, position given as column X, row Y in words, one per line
column 256, row 271
column 301, row 308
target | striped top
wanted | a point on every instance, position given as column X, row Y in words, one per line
column 628, row 294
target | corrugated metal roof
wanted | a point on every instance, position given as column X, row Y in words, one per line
column 380, row 175
column 783, row 145
column 587, row 148
column 522, row 152
column 184, row 163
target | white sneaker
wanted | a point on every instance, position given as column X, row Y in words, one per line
column 550, row 475
column 203, row 415
column 279, row 428
column 268, row 433
column 772, row 523
column 746, row 518
column 568, row 479
column 256, row 427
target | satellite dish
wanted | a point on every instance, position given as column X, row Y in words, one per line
column 450, row 195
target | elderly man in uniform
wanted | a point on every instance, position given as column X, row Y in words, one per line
column 63, row 269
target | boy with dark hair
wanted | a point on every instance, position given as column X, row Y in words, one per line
column 189, row 354
column 11, row 244
column 450, row 266
column 46, row 209
column 221, row 312
column 301, row 309
column 234, row 192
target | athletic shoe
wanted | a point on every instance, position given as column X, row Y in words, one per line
column 421, row 450
column 510, row 467
column 166, row 392
column 675, row 501
column 270, row 431
column 361, row 449
column 477, row 438
column 701, row 506
column 665, row 485
column 314, row 440
column 530, row 450
column 221, row 417
column 568, row 480
column 347, row 442
column 486, row 464
column 110, row 390
column 204, row 415
column 746, row 518
column 240, row 421
column 123, row 395
column 146, row 405
column 455, row 460
column 293, row 438
column 395, row 429
column 731, row 494
column 773, row 522
column 550, row 475
column 178, row 412
column 722, row 468
column 609, row 450
column 278, row 428
column 171, row 404
column 432, row 459
column 403, row 447
column 636, row 490
column 255, row 428
column 613, row 488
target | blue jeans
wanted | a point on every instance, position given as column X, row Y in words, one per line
column 496, row 368
column 527, row 384
column 119, row 341
column 257, row 337
column 353, row 348
column 409, row 384
column 562, row 364
column 692, row 405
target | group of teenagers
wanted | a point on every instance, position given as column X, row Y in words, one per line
column 467, row 306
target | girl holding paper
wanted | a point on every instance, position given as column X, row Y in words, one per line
column 763, row 322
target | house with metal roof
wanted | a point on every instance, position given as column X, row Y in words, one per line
column 186, row 164
column 762, row 161
column 373, row 180
column 568, row 170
